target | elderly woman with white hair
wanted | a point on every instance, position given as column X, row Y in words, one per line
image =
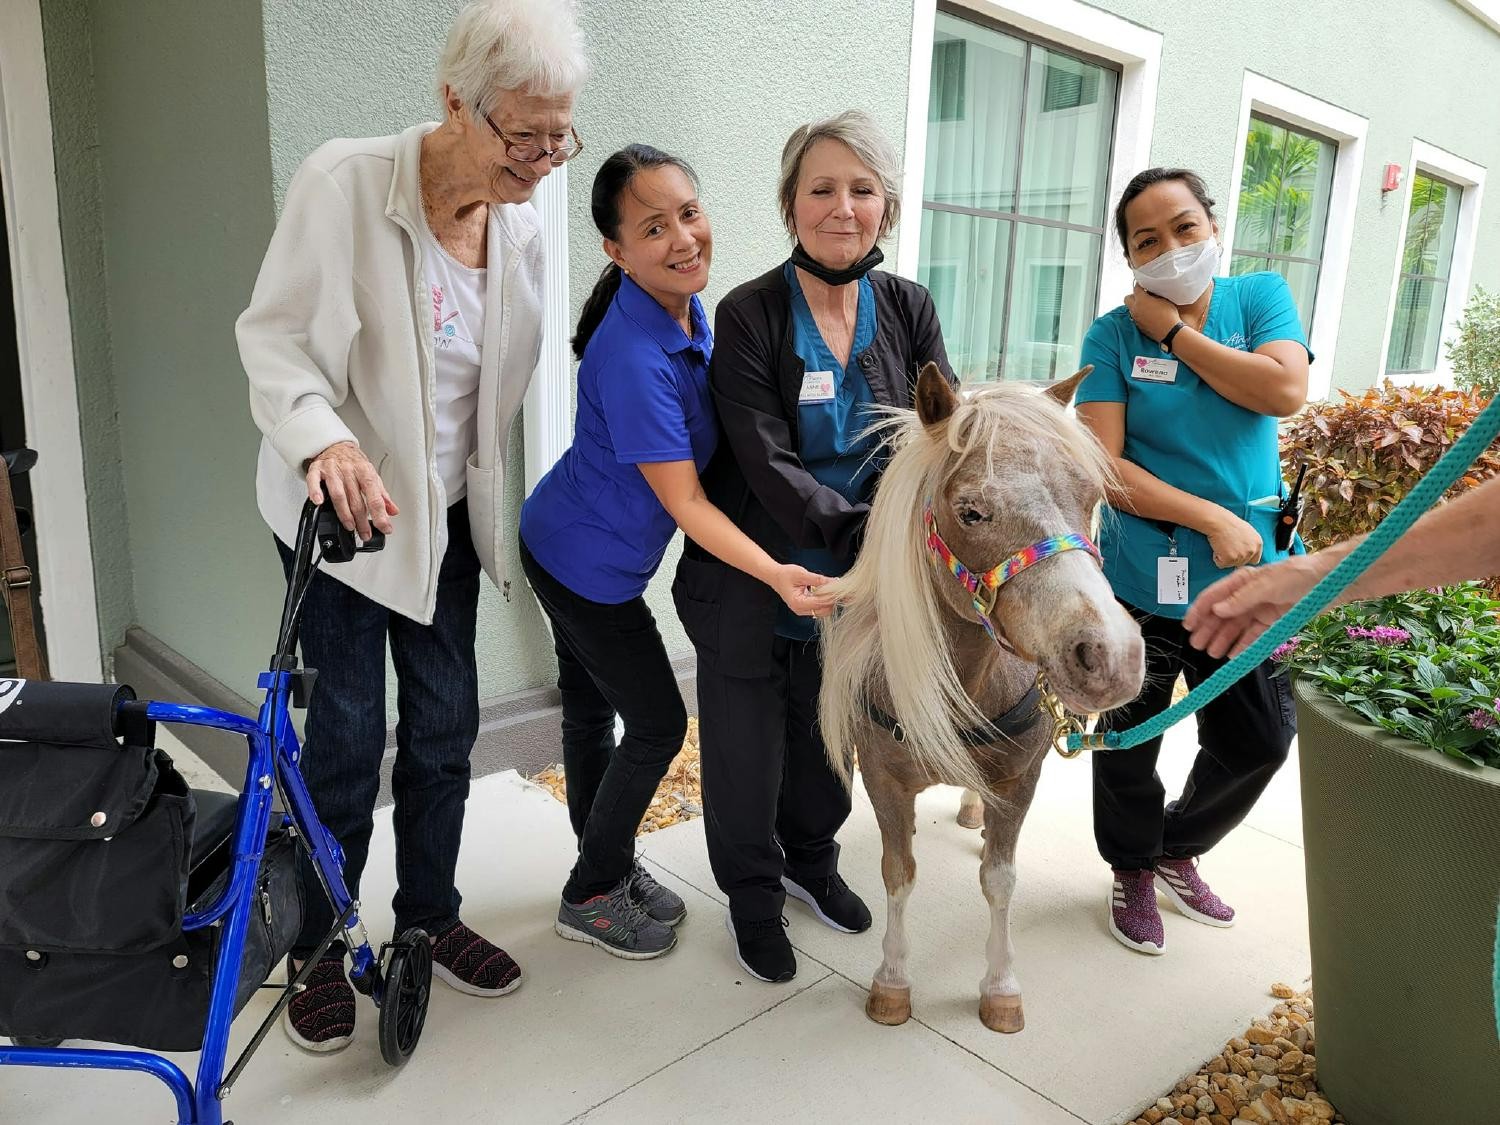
column 389, row 342
column 802, row 354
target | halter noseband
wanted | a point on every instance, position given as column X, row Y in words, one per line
column 984, row 587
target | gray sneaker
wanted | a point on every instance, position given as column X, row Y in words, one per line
column 665, row 906
column 615, row 924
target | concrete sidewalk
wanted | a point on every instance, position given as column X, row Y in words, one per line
column 690, row 1037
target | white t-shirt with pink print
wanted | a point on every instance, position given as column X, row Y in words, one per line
column 458, row 294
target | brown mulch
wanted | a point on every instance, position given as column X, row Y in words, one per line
column 679, row 797
column 1268, row 1076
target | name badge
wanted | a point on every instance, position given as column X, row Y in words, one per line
column 817, row 386
column 1150, row 369
column 1172, row 580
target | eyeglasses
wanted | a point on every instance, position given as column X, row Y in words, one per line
column 531, row 153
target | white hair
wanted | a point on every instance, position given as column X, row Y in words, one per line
column 858, row 131
column 499, row 45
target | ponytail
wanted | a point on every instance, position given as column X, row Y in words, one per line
column 595, row 307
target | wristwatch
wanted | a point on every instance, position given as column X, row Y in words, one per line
column 1166, row 341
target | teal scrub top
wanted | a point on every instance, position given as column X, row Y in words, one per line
column 1183, row 432
column 832, row 441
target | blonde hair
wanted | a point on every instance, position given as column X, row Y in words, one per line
column 858, row 130
column 497, row 45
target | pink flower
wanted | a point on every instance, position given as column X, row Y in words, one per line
column 1381, row 634
column 1284, row 651
column 1480, row 719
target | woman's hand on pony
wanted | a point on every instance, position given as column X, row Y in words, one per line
column 805, row 593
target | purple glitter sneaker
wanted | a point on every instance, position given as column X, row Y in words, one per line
column 1133, row 917
column 1185, row 889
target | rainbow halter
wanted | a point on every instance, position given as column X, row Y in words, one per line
column 985, row 587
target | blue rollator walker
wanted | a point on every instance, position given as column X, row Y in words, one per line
column 136, row 911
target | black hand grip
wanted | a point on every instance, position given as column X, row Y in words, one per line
column 338, row 543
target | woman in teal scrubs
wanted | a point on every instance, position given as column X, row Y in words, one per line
column 1190, row 376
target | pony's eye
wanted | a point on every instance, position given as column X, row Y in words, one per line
column 969, row 516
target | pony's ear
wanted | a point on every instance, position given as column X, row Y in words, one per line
column 936, row 400
column 1064, row 390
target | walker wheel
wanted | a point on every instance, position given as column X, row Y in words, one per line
column 35, row 1041
column 403, row 1003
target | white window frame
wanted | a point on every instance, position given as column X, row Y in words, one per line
column 1068, row 24
column 44, row 340
column 1347, row 131
column 1486, row 11
column 1470, row 177
column 547, row 414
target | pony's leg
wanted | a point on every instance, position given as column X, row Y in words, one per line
column 971, row 810
column 1000, row 991
column 889, row 1001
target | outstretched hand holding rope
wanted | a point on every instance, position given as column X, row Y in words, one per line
column 1455, row 543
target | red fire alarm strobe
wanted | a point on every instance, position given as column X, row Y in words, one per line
column 1392, row 178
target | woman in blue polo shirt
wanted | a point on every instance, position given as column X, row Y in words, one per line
column 595, row 529
column 1190, row 375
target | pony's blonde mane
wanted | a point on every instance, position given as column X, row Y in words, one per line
column 891, row 630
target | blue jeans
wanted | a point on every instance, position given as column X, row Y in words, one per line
column 343, row 635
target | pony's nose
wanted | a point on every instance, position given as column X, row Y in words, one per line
column 1090, row 655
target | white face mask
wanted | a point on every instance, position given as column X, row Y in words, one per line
column 1181, row 275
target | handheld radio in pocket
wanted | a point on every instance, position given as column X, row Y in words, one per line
column 1289, row 513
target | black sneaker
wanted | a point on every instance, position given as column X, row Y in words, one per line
column 320, row 1017
column 832, row 901
column 762, row 948
column 665, row 906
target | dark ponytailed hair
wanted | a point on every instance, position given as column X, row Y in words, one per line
column 611, row 182
column 1142, row 180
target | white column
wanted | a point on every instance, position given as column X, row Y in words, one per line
column 548, row 414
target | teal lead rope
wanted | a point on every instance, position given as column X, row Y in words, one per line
column 1426, row 493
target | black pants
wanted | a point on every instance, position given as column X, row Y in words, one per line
column 1243, row 738
column 610, row 661
column 343, row 635
column 771, row 802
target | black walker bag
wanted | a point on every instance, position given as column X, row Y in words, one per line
column 103, row 848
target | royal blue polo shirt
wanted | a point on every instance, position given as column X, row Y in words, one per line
column 593, row 522
column 1182, row 431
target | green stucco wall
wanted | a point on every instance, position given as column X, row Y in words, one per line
column 167, row 207
column 179, row 124
column 1416, row 69
column 682, row 81
column 724, row 87
column 66, row 31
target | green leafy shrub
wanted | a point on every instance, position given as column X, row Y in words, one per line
column 1475, row 352
column 1423, row 666
column 1365, row 452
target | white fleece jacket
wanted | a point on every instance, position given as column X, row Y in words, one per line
column 337, row 346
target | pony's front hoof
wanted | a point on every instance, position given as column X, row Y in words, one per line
column 888, row 1005
column 1002, row 1013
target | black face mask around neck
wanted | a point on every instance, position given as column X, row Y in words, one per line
column 804, row 261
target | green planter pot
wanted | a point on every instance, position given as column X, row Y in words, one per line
column 1403, row 876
